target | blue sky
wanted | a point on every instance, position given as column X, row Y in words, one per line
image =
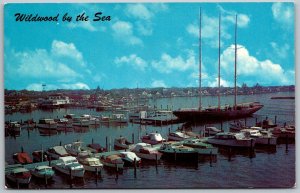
column 148, row 45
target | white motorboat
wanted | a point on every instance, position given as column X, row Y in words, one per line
column 231, row 139
column 43, row 172
column 70, row 166
column 146, row 151
column 237, row 126
column 56, row 152
column 129, row 157
column 201, row 147
column 122, row 143
column 76, row 149
column 47, row 124
column 153, row 138
column 112, row 161
column 91, row 164
column 19, row 175
column 92, row 120
column 177, row 136
column 118, row 118
column 264, row 138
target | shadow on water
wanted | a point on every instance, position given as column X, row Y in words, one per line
column 230, row 152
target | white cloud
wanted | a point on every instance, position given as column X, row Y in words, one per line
column 62, row 49
column 87, row 25
column 133, row 60
column 283, row 12
column 280, row 51
column 74, row 86
column 138, row 11
column 215, row 83
column 122, row 31
column 167, row 63
column 39, row 63
column 265, row 72
column 158, row 83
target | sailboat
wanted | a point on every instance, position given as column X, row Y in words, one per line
column 217, row 113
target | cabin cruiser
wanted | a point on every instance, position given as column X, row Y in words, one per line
column 96, row 148
column 47, row 124
column 177, row 151
column 91, row 164
column 63, row 123
column 70, row 166
column 118, row 118
column 92, row 120
column 56, row 152
column 122, row 143
column 43, row 172
column 112, row 161
column 263, row 138
column 129, row 157
column 76, row 149
column 146, row 151
column 19, row 175
column 201, row 147
column 177, row 136
column 153, row 138
column 231, row 140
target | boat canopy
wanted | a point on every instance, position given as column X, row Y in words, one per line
column 23, row 158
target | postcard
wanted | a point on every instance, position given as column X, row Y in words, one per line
column 161, row 95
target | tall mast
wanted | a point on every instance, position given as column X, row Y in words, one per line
column 219, row 76
column 200, row 59
column 235, row 59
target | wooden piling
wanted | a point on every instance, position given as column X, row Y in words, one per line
column 156, row 160
column 275, row 119
column 210, row 158
column 256, row 120
column 222, row 126
column 106, row 143
column 132, row 137
column 22, row 149
column 46, row 180
column 286, row 143
column 60, row 143
column 245, row 121
column 134, row 162
column 175, row 155
column 92, row 140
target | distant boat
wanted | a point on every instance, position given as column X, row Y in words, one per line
column 76, row 149
column 122, row 143
column 39, row 156
column 283, row 97
column 56, row 152
column 177, row 151
column 177, row 136
column 211, row 131
column 96, row 148
column 201, row 147
column 47, row 124
column 112, row 161
column 153, row 138
column 217, row 113
column 260, row 138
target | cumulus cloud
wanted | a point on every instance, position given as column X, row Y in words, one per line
column 123, row 31
column 158, row 83
column 75, row 86
column 133, row 60
column 62, row 49
column 167, row 63
column 139, row 11
column 283, row 12
column 265, row 72
column 215, row 82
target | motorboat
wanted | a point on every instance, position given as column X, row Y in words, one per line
column 231, row 140
column 176, row 151
column 283, row 132
column 47, row 124
column 63, row 123
column 122, row 143
column 81, row 122
column 96, row 148
column 56, row 152
column 70, row 166
column 146, row 151
column 201, row 147
column 43, row 171
column 22, row 158
column 91, row 164
column 265, row 138
column 19, row 175
column 76, row 148
column 211, row 131
column 153, row 138
column 39, row 156
column 112, row 161
column 92, row 120
column 118, row 118
column 177, row 136
column 129, row 157
column 266, row 124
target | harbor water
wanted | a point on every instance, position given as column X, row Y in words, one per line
column 231, row 168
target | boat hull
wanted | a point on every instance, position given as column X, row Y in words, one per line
column 19, row 180
column 153, row 156
column 232, row 143
column 74, row 173
column 214, row 115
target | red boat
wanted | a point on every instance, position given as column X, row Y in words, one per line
column 22, row 158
